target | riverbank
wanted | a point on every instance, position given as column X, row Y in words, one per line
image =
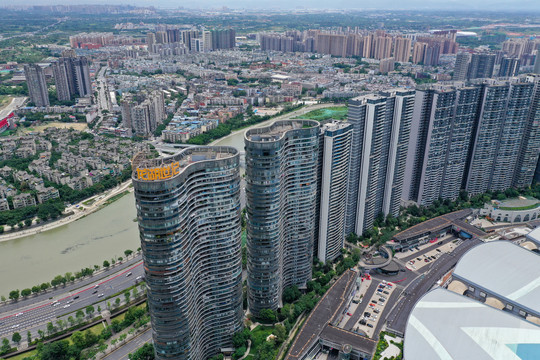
column 290, row 115
column 96, row 202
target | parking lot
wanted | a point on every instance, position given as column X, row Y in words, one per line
column 367, row 315
column 423, row 255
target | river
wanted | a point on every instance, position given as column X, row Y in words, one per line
column 35, row 259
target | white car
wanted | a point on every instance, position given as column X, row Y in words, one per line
column 19, row 314
column 66, row 306
column 15, row 326
column 100, row 295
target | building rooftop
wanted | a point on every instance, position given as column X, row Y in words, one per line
column 436, row 224
column 504, row 269
column 164, row 168
column 521, row 203
column 445, row 325
column 277, row 130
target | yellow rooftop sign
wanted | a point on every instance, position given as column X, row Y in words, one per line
column 158, row 173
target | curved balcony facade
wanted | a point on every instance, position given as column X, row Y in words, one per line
column 281, row 188
column 188, row 210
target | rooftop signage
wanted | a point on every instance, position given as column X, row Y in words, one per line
column 158, row 173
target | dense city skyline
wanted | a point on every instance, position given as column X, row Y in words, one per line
column 459, row 5
column 273, row 180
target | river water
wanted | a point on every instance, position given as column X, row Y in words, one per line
column 35, row 259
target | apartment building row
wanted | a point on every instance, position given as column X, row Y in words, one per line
column 374, row 45
column 477, row 137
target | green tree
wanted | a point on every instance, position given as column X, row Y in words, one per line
column 79, row 315
column 281, row 333
column 78, row 339
column 241, row 337
column 45, row 286
column 69, row 276
column 106, row 264
column 146, row 352
column 29, row 337
column 352, row 238
column 291, row 294
column 5, row 348
column 117, row 302
column 267, row 315
column 89, row 310
column 26, row 292
column 127, row 294
column 16, row 338
column 14, row 295
column 28, row 222
column 36, row 289
column 128, row 252
column 57, row 350
column 50, row 328
column 57, row 280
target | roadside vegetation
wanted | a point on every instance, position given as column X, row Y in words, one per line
column 63, row 280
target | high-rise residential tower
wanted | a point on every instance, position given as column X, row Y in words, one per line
column 335, row 163
column 223, row 39
column 530, row 146
column 381, row 125
column 402, row 49
column 443, row 122
column 499, row 135
column 72, row 77
column 461, row 68
column 37, row 86
column 281, row 189
column 537, row 64
column 63, row 78
column 481, row 66
column 188, row 210
column 509, row 67
column 82, row 76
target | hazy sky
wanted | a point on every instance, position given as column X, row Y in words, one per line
column 519, row 5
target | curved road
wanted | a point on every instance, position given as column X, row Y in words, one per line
column 375, row 266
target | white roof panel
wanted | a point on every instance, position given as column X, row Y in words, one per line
column 504, row 269
column 444, row 325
